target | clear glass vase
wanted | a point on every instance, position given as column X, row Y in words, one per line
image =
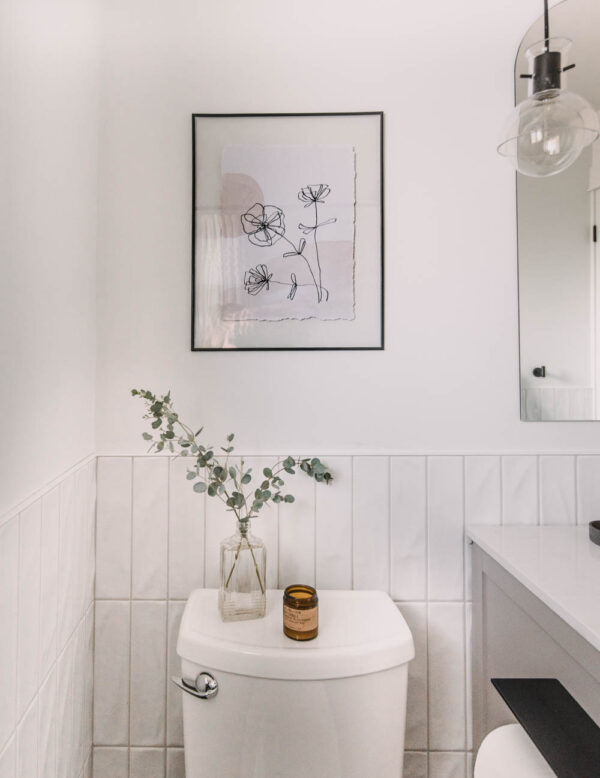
column 242, row 594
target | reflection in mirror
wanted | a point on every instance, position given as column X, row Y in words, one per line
column 559, row 291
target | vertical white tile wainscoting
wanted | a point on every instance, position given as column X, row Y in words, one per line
column 392, row 523
column 46, row 631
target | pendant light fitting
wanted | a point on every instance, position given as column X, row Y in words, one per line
column 548, row 130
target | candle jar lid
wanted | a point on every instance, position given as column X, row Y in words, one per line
column 300, row 596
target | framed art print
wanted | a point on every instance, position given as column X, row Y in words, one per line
column 287, row 231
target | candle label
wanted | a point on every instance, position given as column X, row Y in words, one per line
column 300, row 620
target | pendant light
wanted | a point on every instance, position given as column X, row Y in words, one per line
column 548, row 130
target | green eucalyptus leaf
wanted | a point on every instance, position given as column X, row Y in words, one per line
column 147, row 436
column 289, row 498
column 246, row 478
column 267, row 472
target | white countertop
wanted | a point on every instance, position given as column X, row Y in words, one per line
column 560, row 565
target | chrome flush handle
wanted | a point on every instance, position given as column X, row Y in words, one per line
column 204, row 687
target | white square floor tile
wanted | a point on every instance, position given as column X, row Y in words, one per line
column 415, row 764
column 111, row 762
column 447, row 765
column 147, row 763
column 175, row 763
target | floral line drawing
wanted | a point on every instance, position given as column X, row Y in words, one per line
column 258, row 279
column 264, row 226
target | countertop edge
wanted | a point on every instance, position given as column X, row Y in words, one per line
column 477, row 534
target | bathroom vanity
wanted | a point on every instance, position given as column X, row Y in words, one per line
column 536, row 614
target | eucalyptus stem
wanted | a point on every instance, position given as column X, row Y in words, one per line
column 239, row 548
column 230, row 483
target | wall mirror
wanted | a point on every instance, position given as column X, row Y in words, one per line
column 559, row 277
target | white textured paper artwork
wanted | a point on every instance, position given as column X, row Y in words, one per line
column 287, row 232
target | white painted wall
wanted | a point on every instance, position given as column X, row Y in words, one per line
column 443, row 73
column 48, row 156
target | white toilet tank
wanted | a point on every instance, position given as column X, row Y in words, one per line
column 332, row 707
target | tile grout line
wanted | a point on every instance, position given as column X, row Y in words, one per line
column 389, row 527
column 37, row 494
column 204, row 532
column 427, row 609
column 132, row 471
column 576, row 487
column 94, row 611
column 539, row 490
column 501, row 476
column 36, row 696
column 352, row 561
column 465, row 594
column 168, row 552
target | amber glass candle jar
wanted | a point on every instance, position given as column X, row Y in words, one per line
column 300, row 612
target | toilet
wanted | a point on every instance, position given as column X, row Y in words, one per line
column 257, row 704
column 509, row 752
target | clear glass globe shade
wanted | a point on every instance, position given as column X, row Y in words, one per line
column 548, row 131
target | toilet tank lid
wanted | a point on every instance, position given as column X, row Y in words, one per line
column 360, row 632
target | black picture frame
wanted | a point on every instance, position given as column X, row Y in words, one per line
column 380, row 346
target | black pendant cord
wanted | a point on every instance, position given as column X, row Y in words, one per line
column 546, row 25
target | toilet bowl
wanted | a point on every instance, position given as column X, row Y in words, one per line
column 333, row 707
column 509, row 752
